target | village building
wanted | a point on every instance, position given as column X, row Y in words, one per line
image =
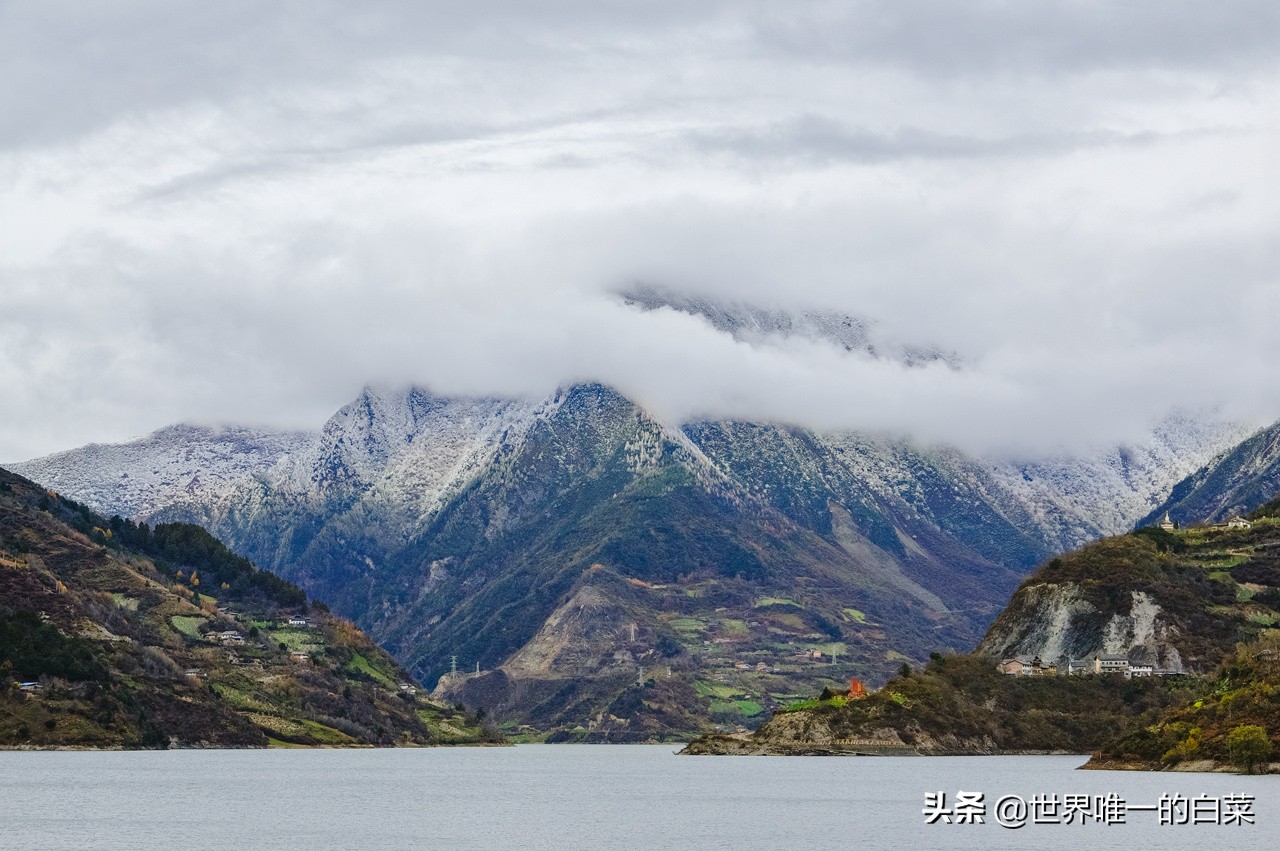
column 1079, row 666
column 1012, row 667
column 1107, row 663
column 299, row 620
column 1141, row 670
column 1238, row 522
column 228, row 637
column 1027, row 666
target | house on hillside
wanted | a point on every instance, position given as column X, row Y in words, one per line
column 1027, row 666
column 1141, row 670
column 1012, row 667
column 1239, row 522
column 1079, row 666
column 1108, row 663
column 299, row 621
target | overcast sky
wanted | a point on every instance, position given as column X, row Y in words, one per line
column 245, row 211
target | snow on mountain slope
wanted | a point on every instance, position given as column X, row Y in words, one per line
column 397, row 453
column 407, row 448
column 179, row 464
column 1081, row 497
column 404, row 452
column 1236, row 482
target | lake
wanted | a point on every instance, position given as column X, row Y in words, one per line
column 584, row 796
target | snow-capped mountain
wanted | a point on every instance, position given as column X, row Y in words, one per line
column 560, row 544
column 485, row 527
column 1077, row 498
column 180, row 465
column 1235, row 482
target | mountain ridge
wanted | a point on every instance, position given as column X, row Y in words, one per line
column 1234, row 482
column 392, row 510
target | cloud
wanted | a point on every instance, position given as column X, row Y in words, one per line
column 245, row 211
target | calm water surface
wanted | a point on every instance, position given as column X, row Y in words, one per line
column 572, row 796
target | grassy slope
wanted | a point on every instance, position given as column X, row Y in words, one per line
column 1245, row 691
column 1220, row 587
column 118, row 638
column 959, row 704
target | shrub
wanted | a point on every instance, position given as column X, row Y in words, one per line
column 1249, row 746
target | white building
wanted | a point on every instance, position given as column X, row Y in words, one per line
column 1106, row 663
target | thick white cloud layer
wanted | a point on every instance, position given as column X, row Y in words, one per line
column 246, row 211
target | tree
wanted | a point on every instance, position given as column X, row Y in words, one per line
column 1249, row 746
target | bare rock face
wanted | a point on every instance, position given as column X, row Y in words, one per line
column 1057, row 622
column 588, row 633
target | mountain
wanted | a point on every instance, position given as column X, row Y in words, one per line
column 119, row 635
column 1236, row 482
column 1079, row 498
column 600, row 572
column 756, row 324
column 1198, row 604
column 1179, row 601
column 180, row 465
column 598, row 547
